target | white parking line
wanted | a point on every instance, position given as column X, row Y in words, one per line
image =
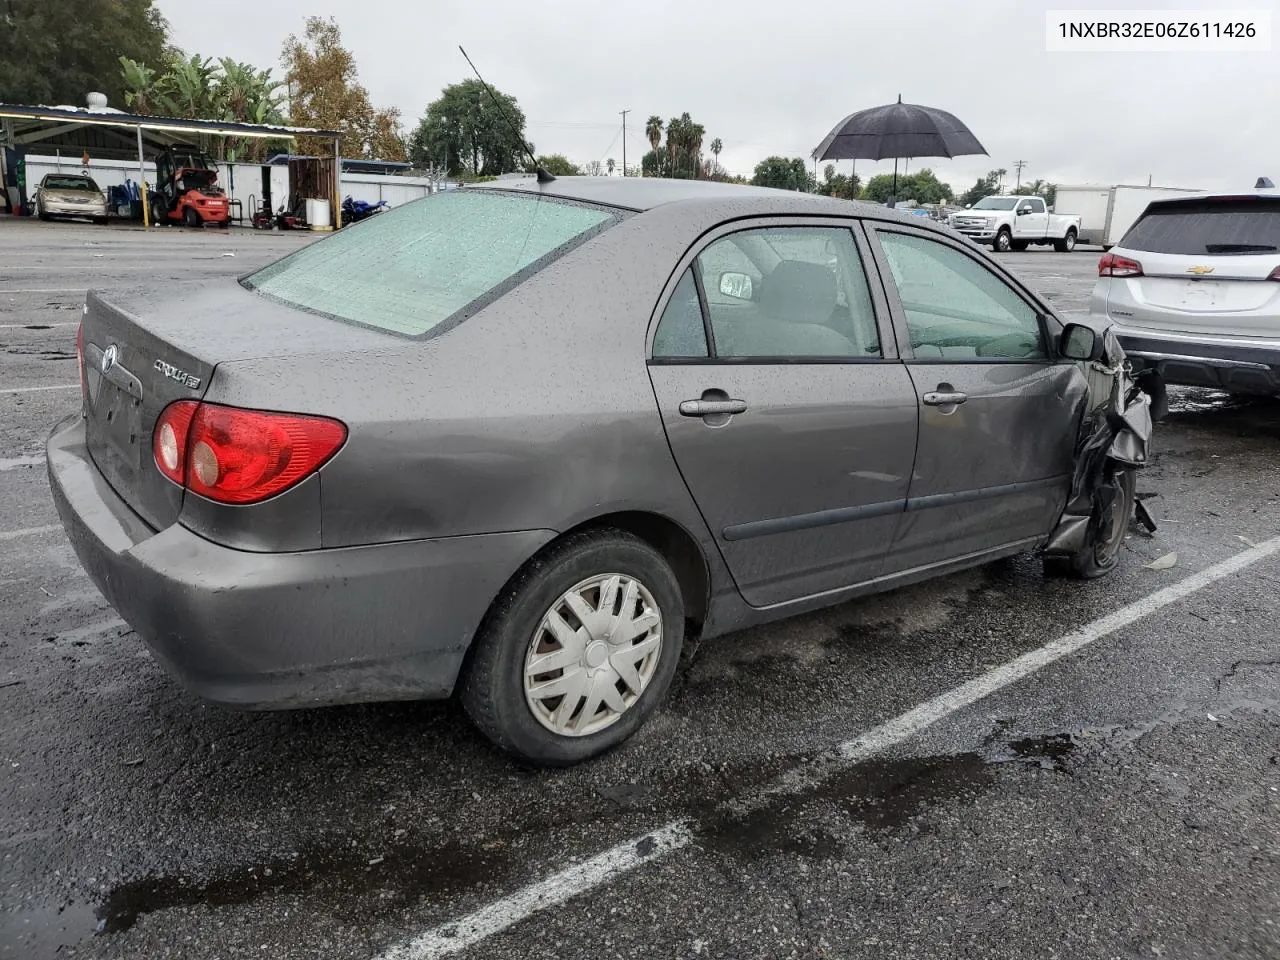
column 555, row 890
column 455, row 936
column 28, row 532
column 37, row 325
column 79, row 290
column 13, row 463
column 60, row 386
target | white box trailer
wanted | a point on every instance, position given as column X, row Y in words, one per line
column 1106, row 212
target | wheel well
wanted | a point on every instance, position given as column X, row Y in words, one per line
column 677, row 546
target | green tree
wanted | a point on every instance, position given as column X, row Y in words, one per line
column 324, row 92
column 783, row 174
column 558, row 165
column 465, row 132
column 984, row 187
column 680, row 158
column 839, row 185
column 55, row 51
column 653, row 130
column 1039, row 188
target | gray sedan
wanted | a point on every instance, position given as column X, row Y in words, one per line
column 519, row 442
column 70, row 195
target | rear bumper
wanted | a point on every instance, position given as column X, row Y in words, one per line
column 1241, row 365
column 280, row 630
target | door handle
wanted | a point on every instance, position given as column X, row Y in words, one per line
column 712, row 408
column 944, row 398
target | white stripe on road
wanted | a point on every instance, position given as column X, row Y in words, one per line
column 553, row 891
column 60, row 386
column 79, row 290
column 453, row 937
column 13, row 463
column 28, row 532
column 38, row 326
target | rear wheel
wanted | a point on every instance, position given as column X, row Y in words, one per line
column 578, row 650
column 1003, row 242
column 191, row 218
column 1067, row 243
column 1101, row 551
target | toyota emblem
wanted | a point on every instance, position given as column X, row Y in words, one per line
column 109, row 357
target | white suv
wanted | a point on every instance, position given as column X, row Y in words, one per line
column 1193, row 290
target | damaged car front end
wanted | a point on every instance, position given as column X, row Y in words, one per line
column 1111, row 448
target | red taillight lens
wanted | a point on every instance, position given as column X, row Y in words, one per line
column 1275, row 274
column 1113, row 266
column 169, row 439
column 241, row 456
column 84, row 384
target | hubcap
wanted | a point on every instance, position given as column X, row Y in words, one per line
column 593, row 655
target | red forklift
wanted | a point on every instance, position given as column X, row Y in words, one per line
column 187, row 189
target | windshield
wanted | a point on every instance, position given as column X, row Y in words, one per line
column 69, row 183
column 1214, row 227
column 415, row 266
column 996, row 203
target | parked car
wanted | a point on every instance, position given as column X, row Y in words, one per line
column 70, row 195
column 1194, row 290
column 515, row 440
column 1015, row 222
column 1106, row 213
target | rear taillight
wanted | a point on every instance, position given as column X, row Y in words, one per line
column 1112, row 265
column 1275, row 274
column 84, row 384
column 241, row 456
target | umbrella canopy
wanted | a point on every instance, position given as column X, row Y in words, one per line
column 898, row 130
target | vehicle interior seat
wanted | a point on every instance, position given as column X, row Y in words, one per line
column 795, row 305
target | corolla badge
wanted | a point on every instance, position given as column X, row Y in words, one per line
column 173, row 373
column 109, row 357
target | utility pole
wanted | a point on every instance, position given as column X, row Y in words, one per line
column 1017, row 166
column 624, row 140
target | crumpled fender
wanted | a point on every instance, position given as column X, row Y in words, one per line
column 1115, row 431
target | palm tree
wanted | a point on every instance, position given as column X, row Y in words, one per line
column 653, row 130
column 611, row 164
column 716, row 147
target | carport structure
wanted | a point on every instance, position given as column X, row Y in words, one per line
column 110, row 134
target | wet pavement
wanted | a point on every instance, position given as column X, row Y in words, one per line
column 1122, row 801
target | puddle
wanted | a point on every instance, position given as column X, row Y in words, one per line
column 45, row 931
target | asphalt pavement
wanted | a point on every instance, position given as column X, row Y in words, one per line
column 994, row 764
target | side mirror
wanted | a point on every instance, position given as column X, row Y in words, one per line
column 1023, row 211
column 968, row 206
column 736, row 285
column 1080, row 342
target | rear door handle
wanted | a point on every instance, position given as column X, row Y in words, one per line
column 944, row 398
column 712, row 408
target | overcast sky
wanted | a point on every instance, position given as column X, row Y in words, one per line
column 770, row 77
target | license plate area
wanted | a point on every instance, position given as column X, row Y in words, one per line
column 114, row 408
column 1199, row 294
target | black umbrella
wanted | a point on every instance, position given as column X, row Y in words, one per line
column 898, row 130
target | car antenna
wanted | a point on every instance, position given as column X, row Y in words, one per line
column 543, row 175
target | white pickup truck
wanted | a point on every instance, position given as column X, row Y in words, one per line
column 1013, row 223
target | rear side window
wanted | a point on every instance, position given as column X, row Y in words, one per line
column 412, row 268
column 1200, row 228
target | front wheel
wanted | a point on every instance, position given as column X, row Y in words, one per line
column 1101, row 551
column 578, row 650
column 1003, row 242
column 1067, row 243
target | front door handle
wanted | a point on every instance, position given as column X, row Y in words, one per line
column 944, row 398
column 712, row 408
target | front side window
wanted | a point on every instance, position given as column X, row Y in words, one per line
column 955, row 308
column 410, row 269
column 788, row 292
column 1037, row 206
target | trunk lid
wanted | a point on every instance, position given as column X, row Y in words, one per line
column 143, row 351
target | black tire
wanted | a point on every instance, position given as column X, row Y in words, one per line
column 1018, row 246
column 1101, row 552
column 1067, row 243
column 191, row 218
column 100, row 221
column 492, row 689
column 1003, row 242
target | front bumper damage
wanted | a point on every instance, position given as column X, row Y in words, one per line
column 1113, row 436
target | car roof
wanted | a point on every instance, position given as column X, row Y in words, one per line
column 706, row 199
column 1273, row 194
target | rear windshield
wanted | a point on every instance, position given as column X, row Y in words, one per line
column 1208, row 227
column 412, row 268
column 69, row 183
